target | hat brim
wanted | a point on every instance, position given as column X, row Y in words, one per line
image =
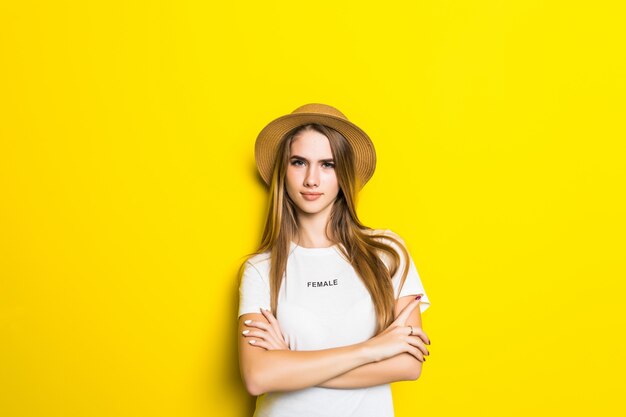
column 266, row 145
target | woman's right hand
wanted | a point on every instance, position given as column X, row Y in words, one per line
column 397, row 338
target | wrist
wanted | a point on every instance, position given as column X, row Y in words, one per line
column 366, row 352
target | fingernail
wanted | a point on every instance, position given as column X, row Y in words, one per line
column 418, row 296
column 245, row 332
column 252, row 341
column 248, row 321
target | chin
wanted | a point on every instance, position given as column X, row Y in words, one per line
column 313, row 209
column 309, row 210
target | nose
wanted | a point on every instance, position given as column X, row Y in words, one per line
column 312, row 177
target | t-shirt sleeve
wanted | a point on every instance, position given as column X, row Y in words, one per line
column 254, row 291
column 413, row 283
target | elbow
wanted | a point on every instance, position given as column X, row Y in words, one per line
column 253, row 389
column 414, row 373
column 253, row 385
column 413, row 369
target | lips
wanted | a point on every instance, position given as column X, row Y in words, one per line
column 311, row 196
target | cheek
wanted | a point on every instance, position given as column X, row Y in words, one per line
column 331, row 179
column 332, row 184
column 291, row 179
column 290, row 176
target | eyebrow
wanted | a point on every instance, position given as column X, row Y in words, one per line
column 303, row 158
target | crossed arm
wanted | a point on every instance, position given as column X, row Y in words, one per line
column 353, row 366
column 402, row 367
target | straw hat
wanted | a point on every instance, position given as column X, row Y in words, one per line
column 267, row 142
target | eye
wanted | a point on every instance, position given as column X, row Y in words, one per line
column 296, row 162
column 329, row 164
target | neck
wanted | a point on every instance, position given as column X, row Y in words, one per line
column 312, row 230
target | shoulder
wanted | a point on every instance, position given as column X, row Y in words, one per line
column 394, row 241
column 259, row 260
column 258, row 264
column 386, row 235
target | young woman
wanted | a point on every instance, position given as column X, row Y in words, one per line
column 328, row 311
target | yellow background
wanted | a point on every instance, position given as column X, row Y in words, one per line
column 128, row 193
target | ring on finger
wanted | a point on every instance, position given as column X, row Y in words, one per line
column 411, row 334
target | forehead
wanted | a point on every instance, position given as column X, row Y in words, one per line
column 311, row 143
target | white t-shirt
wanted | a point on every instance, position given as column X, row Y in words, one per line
column 322, row 304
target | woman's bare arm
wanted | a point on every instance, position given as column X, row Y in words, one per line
column 398, row 368
column 285, row 370
column 402, row 367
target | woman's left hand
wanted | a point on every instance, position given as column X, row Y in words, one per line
column 270, row 336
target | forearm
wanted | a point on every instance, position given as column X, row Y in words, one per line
column 286, row 370
column 402, row 367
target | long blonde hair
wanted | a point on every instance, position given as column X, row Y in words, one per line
column 358, row 244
